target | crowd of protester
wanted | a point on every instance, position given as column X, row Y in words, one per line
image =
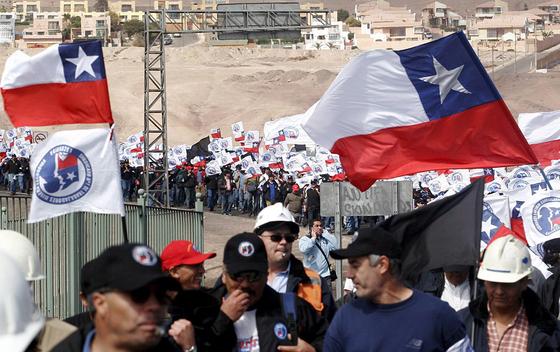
column 267, row 299
column 15, row 174
column 234, row 192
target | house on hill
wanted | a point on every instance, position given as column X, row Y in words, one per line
column 490, row 9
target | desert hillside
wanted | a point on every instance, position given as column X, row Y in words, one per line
column 214, row 87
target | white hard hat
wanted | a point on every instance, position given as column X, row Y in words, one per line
column 506, row 260
column 20, row 321
column 23, row 253
column 275, row 215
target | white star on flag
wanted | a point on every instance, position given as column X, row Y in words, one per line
column 487, row 226
column 83, row 63
column 447, row 80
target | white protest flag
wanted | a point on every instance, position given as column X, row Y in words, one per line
column 75, row 170
column 541, row 217
column 252, row 136
column 438, row 184
column 495, row 213
column 237, row 129
column 495, row 186
column 213, row 168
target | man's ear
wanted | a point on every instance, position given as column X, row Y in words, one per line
column 383, row 264
column 98, row 303
column 174, row 274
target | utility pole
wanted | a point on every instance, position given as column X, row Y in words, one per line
column 492, row 46
column 536, row 61
column 514, row 50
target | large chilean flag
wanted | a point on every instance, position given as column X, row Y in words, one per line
column 542, row 130
column 64, row 84
column 431, row 107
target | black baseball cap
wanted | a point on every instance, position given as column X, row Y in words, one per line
column 128, row 267
column 370, row 241
column 245, row 252
column 86, row 273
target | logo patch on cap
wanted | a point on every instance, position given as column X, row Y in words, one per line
column 246, row 249
column 144, row 255
column 280, row 331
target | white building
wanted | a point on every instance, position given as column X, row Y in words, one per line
column 325, row 38
column 7, row 27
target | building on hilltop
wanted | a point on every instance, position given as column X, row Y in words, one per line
column 7, row 28
column 24, row 10
column 552, row 7
column 435, row 14
column 95, row 25
column 506, row 27
column 126, row 9
column 393, row 24
column 45, row 31
column 490, row 9
column 73, row 7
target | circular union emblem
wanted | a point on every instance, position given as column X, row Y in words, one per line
column 546, row 215
column 553, row 173
column 246, row 249
column 493, row 187
column 64, row 175
column 291, row 132
column 281, row 331
column 517, row 184
column 144, row 255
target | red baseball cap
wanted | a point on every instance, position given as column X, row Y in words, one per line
column 182, row 253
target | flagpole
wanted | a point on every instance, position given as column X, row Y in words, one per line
column 124, row 230
column 123, row 218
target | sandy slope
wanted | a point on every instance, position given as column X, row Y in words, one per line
column 214, row 87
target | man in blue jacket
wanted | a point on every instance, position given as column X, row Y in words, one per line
column 387, row 315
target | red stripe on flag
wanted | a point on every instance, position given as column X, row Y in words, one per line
column 58, row 104
column 466, row 140
column 547, row 151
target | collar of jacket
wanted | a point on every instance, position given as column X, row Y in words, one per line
column 297, row 274
column 537, row 315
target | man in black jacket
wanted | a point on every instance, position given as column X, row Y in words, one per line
column 129, row 299
column 550, row 291
column 509, row 316
column 256, row 315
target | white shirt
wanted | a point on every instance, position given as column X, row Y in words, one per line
column 246, row 332
column 458, row 297
column 280, row 281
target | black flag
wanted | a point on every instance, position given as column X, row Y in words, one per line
column 443, row 233
column 200, row 149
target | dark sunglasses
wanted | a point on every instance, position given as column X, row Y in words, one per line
column 142, row 295
column 278, row 237
column 251, row 276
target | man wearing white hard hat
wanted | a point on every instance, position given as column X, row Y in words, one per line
column 20, row 321
column 21, row 250
column 278, row 229
column 509, row 316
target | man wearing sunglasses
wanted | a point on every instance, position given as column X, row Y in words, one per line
column 129, row 302
column 252, row 317
column 278, row 229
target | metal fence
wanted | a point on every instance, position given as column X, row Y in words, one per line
column 66, row 242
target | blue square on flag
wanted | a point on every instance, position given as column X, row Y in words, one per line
column 449, row 80
column 82, row 62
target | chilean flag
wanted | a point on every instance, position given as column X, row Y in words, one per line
column 431, row 107
column 542, row 131
column 64, row 84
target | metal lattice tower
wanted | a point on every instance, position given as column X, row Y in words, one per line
column 158, row 23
